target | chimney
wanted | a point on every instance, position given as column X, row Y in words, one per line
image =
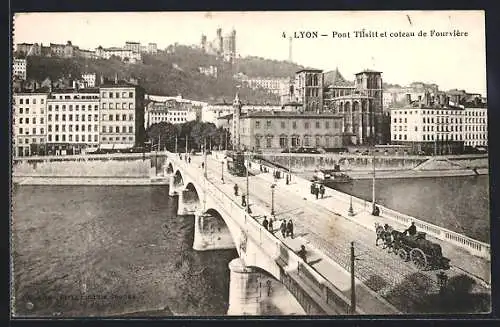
column 408, row 98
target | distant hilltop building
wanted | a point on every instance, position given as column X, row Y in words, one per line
column 223, row 46
column 131, row 52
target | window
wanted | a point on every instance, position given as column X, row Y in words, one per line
column 34, row 130
column 20, row 120
column 257, row 124
column 63, row 107
column 306, row 125
column 20, row 110
column 104, row 129
column 269, row 140
column 83, row 128
column 57, row 138
column 89, row 117
column 104, row 106
column 307, row 140
column 21, row 101
column 130, row 105
column 317, row 124
column 110, row 117
column 63, row 128
column 117, row 117
column 77, row 107
column 27, row 110
column 57, row 107
column 77, row 138
column 96, row 118
column 327, row 124
column 96, row 107
column 124, row 129
column 96, row 128
column 130, row 129
column 27, row 101
column 117, row 129
column 117, row 94
column 50, row 128
column 27, row 120
column 42, row 131
column 76, row 128
column 70, row 128
column 416, row 128
column 34, row 101
column 95, row 138
column 83, row 138
column 131, row 94
column 268, row 124
column 63, row 117
column 110, row 95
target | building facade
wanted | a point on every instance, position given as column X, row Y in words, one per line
column 122, row 115
column 273, row 85
column 72, row 121
column 476, row 126
column 19, row 68
column 89, row 79
column 169, row 111
column 29, row 125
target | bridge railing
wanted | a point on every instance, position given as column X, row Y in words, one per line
column 333, row 300
column 474, row 247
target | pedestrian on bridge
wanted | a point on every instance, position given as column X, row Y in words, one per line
column 265, row 223
column 302, row 253
column 289, row 228
column 283, row 228
column 322, row 191
column 202, row 165
column 236, row 189
column 271, row 229
column 316, row 191
column 189, row 160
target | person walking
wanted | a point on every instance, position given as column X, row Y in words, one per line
column 265, row 222
column 189, row 160
column 236, row 189
column 322, row 190
column 302, row 253
column 283, row 228
column 316, row 191
column 289, row 228
column 271, row 229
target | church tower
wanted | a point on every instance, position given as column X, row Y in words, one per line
column 236, row 133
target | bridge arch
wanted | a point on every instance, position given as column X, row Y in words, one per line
column 170, row 168
column 178, row 179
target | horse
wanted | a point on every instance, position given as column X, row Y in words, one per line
column 384, row 233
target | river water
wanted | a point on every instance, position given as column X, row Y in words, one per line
column 460, row 204
column 86, row 250
column 110, row 250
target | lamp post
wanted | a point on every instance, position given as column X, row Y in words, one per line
column 373, row 183
column 248, row 188
column 272, row 199
column 353, row 282
column 222, row 170
column 175, row 143
column 205, row 161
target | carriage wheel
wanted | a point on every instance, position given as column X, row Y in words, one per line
column 418, row 258
column 403, row 254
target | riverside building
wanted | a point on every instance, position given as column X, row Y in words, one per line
column 72, row 121
column 29, row 125
column 121, row 115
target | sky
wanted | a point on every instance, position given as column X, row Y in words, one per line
column 449, row 61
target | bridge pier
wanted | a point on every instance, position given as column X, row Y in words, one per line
column 184, row 207
column 173, row 189
column 253, row 292
column 211, row 234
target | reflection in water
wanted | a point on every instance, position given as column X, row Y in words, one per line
column 460, row 204
column 86, row 250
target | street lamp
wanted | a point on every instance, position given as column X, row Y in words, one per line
column 373, row 183
column 272, row 199
column 222, row 170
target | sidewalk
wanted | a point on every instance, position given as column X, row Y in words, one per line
column 362, row 216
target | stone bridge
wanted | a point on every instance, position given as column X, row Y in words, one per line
column 222, row 223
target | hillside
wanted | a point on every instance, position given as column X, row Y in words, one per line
column 260, row 67
column 162, row 74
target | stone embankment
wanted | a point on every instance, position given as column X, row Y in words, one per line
column 103, row 172
column 358, row 166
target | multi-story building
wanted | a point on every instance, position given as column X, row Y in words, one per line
column 273, row 85
column 29, row 125
column 133, row 46
column 309, row 89
column 124, row 54
column 57, row 50
column 19, row 68
column 122, row 115
column 272, row 131
column 429, row 125
column 152, row 48
column 72, row 121
column 89, row 79
column 476, row 126
column 209, row 71
column 169, row 111
column 29, row 49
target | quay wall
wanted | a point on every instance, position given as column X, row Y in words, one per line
column 95, row 168
column 300, row 162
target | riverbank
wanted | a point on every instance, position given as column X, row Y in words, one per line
column 89, row 180
column 384, row 174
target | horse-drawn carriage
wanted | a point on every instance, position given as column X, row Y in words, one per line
column 423, row 253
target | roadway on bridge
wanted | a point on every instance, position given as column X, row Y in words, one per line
column 324, row 231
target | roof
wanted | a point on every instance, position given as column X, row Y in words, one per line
column 230, row 116
column 334, row 78
column 119, row 84
column 368, row 71
column 287, row 114
column 309, row 70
